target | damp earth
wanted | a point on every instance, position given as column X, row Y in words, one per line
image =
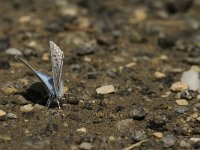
column 121, row 60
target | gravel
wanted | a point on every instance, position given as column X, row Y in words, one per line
column 169, row 141
column 137, row 113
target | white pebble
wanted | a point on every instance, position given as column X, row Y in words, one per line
column 2, row 113
column 85, row 146
column 105, row 89
column 38, row 107
column 195, row 139
column 13, row 51
column 84, row 130
column 179, row 86
column 11, row 116
column 159, row 75
column 158, row 135
column 181, row 102
column 191, row 78
column 26, row 108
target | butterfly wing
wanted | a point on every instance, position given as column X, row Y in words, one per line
column 45, row 79
column 57, row 57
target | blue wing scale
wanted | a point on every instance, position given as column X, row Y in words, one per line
column 47, row 80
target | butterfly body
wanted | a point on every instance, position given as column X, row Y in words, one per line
column 53, row 85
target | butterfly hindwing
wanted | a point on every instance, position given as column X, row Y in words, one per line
column 47, row 80
column 57, row 57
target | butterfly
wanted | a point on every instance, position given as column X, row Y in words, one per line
column 54, row 84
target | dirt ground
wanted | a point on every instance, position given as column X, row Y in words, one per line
column 139, row 47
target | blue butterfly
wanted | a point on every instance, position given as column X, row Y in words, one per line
column 53, row 85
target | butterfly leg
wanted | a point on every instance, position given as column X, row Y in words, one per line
column 48, row 104
column 58, row 104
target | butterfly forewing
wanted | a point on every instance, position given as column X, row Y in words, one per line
column 45, row 79
column 57, row 63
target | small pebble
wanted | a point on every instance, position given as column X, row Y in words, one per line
column 30, row 52
column 74, row 147
column 38, row 107
column 158, row 135
column 181, row 109
column 11, row 116
column 9, row 90
column 84, row 23
column 164, row 57
column 84, row 130
column 46, row 57
column 139, row 15
column 105, row 89
column 185, row 144
column 65, row 124
column 130, row 65
column 191, row 78
column 159, row 75
column 87, row 59
column 169, row 141
column 198, row 97
column 4, row 138
column 26, row 108
column 138, row 136
column 85, row 146
column 2, row 113
column 19, row 99
column 13, row 52
column 157, row 123
column 198, row 118
column 118, row 59
column 68, row 10
column 137, row 113
column 23, row 81
column 105, row 40
column 124, row 124
column 195, row 139
column 197, row 105
column 34, row 45
column 179, row 86
column 181, row 102
column 112, row 138
column 65, row 89
column 194, row 115
column 86, row 48
column 24, row 19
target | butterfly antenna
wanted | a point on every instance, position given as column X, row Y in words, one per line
column 24, row 62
